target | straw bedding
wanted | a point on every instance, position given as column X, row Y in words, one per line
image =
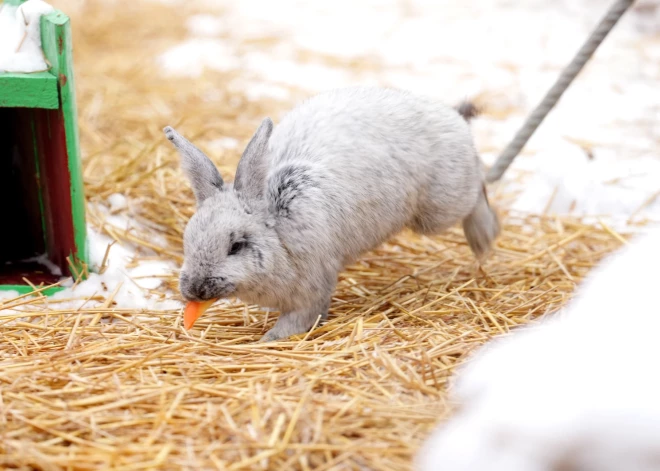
column 107, row 387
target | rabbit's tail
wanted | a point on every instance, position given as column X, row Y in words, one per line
column 481, row 226
column 467, row 110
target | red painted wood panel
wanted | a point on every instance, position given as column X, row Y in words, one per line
column 33, row 155
column 55, row 183
column 13, row 274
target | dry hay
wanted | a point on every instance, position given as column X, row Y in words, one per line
column 107, row 387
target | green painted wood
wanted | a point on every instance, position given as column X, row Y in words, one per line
column 36, row 90
column 58, row 49
column 27, row 289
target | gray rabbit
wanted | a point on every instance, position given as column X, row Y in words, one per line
column 342, row 173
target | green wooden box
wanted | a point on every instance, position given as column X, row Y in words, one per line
column 40, row 172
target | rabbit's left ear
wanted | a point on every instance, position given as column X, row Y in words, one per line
column 202, row 173
column 250, row 178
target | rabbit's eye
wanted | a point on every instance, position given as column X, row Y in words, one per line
column 237, row 247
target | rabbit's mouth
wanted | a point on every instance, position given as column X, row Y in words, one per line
column 206, row 288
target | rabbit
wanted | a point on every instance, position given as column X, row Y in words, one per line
column 342, row 173
column 578, row 391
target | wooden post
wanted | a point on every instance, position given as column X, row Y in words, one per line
column 58, row 49
column 43, row 174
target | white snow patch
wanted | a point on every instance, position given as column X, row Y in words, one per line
column 566, row 181
column 125, row 223
column 9, row 294
column 50, row 266
column 255, row 90
column 191, row 57
column 148, row 274
column 205, row 25
column 310, row 76
column 117, row 202
column 20, row 37
column 131, row 284
column 42, row 260
column 223, row 143
column 98, row 246
column 118, row 221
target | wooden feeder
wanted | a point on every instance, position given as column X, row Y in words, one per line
column 40, row 172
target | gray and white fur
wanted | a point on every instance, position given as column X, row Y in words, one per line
column 341, row 174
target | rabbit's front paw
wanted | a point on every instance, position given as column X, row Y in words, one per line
column 271, row 336
column 293, row 323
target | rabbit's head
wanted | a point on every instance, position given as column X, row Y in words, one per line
column 230, row 245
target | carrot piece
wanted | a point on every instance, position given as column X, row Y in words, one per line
column 193, row 311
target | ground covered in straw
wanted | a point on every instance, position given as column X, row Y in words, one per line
column 106, row 385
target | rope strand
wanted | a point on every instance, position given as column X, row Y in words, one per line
column 552, row 97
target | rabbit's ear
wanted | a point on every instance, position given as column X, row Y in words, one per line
column 203, row 175
column 251, row 172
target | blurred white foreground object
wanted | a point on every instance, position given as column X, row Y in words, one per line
column 580, row 391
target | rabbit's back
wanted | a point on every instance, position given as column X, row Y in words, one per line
column 366, row 126
column 351, row 167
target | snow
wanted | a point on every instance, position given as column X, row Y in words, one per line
column 113, row 213
column 205, row 25
column 132, row 284
column 8, row 295
column 608, row 185
column 42, row 260
column 194, row 55
column 133, row 281
column 45, row 261
column 504, row 54
column 20, row 37
column 255, row 91
column 117, row 202
column 580, row 388
column 223, row 143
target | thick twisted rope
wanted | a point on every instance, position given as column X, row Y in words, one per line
column 552, row 97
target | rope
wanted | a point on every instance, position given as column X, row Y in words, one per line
column 552, row 97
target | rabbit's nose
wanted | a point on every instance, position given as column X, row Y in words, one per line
column 199, row 289
column 205, row 290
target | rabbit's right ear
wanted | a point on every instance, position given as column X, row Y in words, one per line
column 253, row 166
column 203, row 175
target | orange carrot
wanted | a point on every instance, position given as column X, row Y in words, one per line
column 193, row 311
